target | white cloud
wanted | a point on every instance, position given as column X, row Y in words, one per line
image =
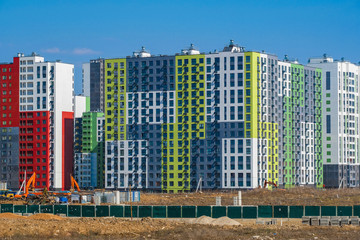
column 83, row 51
column 52, row 50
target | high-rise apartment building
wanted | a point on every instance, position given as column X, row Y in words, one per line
column 97, row 85
column 9, row 123
column 341, row 145
column 86, row 79
column 229, row 119
column 89, row 159
column 46, row 121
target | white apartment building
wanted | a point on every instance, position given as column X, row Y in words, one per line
column 341, row 146
column 46, row 120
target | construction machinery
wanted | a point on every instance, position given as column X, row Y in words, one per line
column 270, row 183
column 28, row 193
column 74, row 184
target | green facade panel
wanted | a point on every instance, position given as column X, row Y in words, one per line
column 33, row 209
column 344, row 211
column 159, row 212
column 265, row 211
column 203, row 211
column 19, row 208
column 60, row 209
column 249, row 212
column 234, row 212
column 47, row 209
column 296, row 211
column 6, row 208
column 312, row 210
column 357, row 210
column 116, row 211
column 188, row 211
column 127, row 212
column 74, row 211
column 102, row 211
column 281, row 211
column 218, row 211
column 328, row 210
column 145, row 211
column 174, row 211
column 88, row 211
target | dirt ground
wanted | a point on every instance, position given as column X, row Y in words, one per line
column 44, row 226
column 294, row 196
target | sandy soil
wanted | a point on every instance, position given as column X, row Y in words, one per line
column 295, row 196
column 42, row 227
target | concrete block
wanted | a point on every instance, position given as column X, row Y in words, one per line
column 260, row 222
column 27, row 214
column 324, row 221
column 314, row 221
column 273, row 221
column 344, row 221
column 305, row 220
column 335, row 221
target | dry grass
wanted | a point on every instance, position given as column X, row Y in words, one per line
column 294, row 196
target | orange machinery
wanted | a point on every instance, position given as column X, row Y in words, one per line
column 74, row 183
column 271, row 183
column 30, row 186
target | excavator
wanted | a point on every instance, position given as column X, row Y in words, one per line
column 31, row 196
column 40, row 197
column 74, row 183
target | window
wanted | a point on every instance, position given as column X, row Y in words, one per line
column 327, row 80
column 328, row 124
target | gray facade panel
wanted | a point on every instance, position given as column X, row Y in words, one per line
column 9, row 157
column 97, row 85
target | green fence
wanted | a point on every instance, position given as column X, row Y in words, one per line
column 246, row 212
column 296, row 211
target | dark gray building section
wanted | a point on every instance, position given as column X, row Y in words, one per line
column 340, row 175
column 150, row 74
column 146, row 75
column 78, row 135
column 97, row 85
column 152, row 134
column 9, row 157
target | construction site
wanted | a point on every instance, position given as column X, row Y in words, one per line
column 259, row 214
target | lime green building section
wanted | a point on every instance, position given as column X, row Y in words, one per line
column 252, row 79
column 189, row 125
column 288, row 143
column 318, row 130
column 115, row 99
column 255, row 128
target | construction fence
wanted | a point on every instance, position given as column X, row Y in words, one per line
column 246, row 212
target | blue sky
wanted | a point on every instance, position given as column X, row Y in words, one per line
column 76, row 31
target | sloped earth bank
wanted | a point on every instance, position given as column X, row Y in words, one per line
column 295, row 196
column 42, row 227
